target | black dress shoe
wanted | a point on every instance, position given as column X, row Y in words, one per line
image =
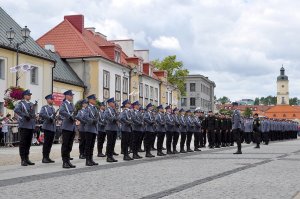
column 71, row 158
column 111, row 159
column 114, row 153
column 149, row 155
column 190, row 150
column 175, row 152
column 182, row 151
column 81, row 156
column 136, row 156
column 238, row 152
column 101, row 155
column 127, row 158
column 160, row 153
column 257, row 147
column 24, row 163
column 45, row 160
column 89, row 163
column 71, row 165
column 196, row 149
column 66, row 165
column 29, row 162
column 170, row 153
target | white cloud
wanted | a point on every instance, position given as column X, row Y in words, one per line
column 168, row 43
column 239, row 44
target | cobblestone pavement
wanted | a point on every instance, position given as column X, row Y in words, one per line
column 269, row 172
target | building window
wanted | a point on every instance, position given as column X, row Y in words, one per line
column 167, row 97
column 2, row 69
column 192, row 87
column 117, row 56
column 151, row 92
column 105, row 79
column 140, row 65
column 284, row 115
column 183, row 101
column 274, row 115
column 34, row 78
column 294, row 115
column 141, row 90
column 156, row 94
column 146, row 91
column 118, row 83
column 192, row 101
column 1, row 107
column 125, row 85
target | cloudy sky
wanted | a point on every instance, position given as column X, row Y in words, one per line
column 239, row 44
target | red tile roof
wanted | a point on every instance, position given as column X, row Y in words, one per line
column 72, row 41
column 284, row 112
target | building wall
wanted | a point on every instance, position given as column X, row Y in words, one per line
column 60, row 87
column 113, row 69
column 203, row 94
column 151, row 83
column 282, row 91
column 39, row 90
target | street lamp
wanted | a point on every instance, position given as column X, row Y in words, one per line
column 10, row 35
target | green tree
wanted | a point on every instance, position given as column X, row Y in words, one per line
column 224, row 100
column 248, row 112
column 294, row 101
column 256, row 101
column 175, row 69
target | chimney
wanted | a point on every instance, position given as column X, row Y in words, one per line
column 50, row 47
column 101, row 35
column 77, row 21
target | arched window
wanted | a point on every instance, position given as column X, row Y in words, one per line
column 284, row 115
column 274, row 115
column 294, row 115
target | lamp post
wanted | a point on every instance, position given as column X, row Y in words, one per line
column 10, row 35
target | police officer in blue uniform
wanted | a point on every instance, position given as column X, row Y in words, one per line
column 101, row 130
column 91, row 117
column 183, row 130
column 160, row 129
column 81, row 129
column 126, row 122
column 26, row 118
column 67, row 111
column 111, row 128
column 256, row 130
column 236, row 127
column 149, row 122
column 48, row 114
column 190, row 130
column 176, row 129
column 170, row 126
column 197, row 130
column 137, row 129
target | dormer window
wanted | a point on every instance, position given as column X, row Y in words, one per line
column 117, row 56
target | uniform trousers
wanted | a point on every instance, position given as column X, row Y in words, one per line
column 67, row 144
column 203, row 138
column 148, row 141
column 90, row 139
column 218, row 137
column 136, row 136
column 170, row 136
column 237, row 133
column 257, row 137
column 196, row 139
column 82, row 142
column 211, row 138
column 48, row 141
column 125, row 142
column 25, row 142
column 175, row 140
column 111, row 142
column 189, row 136
column 100, row 141
column 182, row 140
column 160, row 140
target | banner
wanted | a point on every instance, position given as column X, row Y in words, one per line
column 58, row 98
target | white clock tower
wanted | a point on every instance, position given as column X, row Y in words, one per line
column 282, row 88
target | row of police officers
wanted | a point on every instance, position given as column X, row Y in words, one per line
column 138, row 126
